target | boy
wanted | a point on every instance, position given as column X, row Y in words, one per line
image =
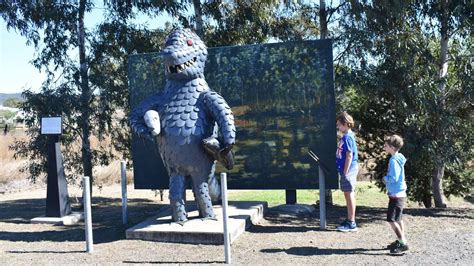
column 396, row 189
column 347, row 166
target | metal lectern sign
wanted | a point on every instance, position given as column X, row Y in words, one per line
column 282, row 96
column 57, row 198
column 51, row 126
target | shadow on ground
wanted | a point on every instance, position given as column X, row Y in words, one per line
column 171, row 262
column 108, row 227
column 106, row 219
column 311, row 251
column 278, row 222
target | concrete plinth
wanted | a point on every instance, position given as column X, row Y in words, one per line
column 70, row 219
column 197, row 231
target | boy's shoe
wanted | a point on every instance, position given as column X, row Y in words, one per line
column 393, row 244
column 399, row 248
column 347, row 226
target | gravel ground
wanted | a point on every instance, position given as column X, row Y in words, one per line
column 435, row 236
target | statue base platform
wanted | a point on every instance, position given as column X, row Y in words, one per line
column 242, row 214
column 71, row 219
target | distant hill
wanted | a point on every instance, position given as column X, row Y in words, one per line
column 4, row 96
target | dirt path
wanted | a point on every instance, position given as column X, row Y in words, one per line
column 435, row 236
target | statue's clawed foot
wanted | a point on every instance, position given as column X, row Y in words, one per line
column 214, row 218
column 182, row 222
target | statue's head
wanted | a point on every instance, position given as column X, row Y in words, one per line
column 184, row 55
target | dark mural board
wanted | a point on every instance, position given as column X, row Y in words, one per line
column 282, row 96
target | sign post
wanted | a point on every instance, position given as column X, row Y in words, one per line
column 57, row 198
column 226, row 218
column 322, row 189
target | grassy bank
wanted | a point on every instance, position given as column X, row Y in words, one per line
column 367, row 194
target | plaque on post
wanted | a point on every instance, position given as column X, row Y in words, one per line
column 57, row 198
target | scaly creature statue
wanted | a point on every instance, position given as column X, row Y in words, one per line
column 182, row 119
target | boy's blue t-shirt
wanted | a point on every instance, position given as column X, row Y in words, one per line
column 346, row 143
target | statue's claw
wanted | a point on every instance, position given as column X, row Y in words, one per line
column 224, row 155
column 182, row 222
column 213, row 218
column 227, row 157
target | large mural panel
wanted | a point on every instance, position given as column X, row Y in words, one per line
column 282, row 96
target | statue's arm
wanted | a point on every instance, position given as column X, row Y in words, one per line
column 222, row 114
column 137, row 121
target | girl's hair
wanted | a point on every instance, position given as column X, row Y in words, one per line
column 395, row 141
column 345, row 119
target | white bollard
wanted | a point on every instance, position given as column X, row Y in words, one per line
column 226, row 218
column 322, row 199
column 88, row 214
column 124, row 192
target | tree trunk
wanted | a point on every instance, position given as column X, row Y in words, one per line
column 85, row 97
column 437, row 184
column 198, row 17
column 437, row 179
column 323, row 33
column 427, row 201
column 323, row 16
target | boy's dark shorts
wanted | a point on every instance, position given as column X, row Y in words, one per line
column 395, row 209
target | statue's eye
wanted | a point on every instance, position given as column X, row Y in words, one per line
column 189, row 42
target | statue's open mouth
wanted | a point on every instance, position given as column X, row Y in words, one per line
column 181, row 67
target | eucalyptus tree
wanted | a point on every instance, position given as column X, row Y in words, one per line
column 86, row 78
column 410, row 66
column 54, row 28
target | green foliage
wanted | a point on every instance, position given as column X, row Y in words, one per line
column 252, row 22
column 12, row 102
column 51, row 27
column 6, row 114
column 396, row 89
column 387, row 73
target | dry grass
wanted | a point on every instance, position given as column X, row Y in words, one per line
column 107, row 174
column 10, row 167
column 110, row 174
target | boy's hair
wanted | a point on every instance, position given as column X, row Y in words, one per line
column 345, row 119
column 395, row 141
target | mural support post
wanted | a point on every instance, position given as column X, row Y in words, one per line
column 322, row 198
column 290, row 195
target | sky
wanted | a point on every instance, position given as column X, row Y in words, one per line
column 16, row 73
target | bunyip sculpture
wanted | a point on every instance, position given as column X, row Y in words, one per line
column 192, row 125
